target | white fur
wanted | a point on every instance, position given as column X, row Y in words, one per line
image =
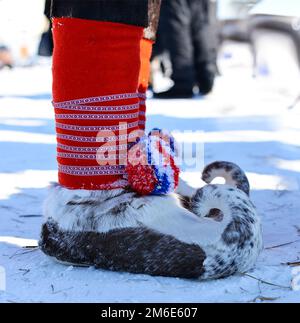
column 185, row 189
column 103, row 211
column 161, row 213
column 74, row 217
column 221, row 199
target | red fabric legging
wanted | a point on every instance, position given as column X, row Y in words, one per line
column 96, row 78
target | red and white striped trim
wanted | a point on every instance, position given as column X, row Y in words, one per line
column 117, row 138
column 96, row 128
column 97, row 116
column 91, row 170
column 96, row 99
column 91, row 149
column 91, row 108
column 95, row 139
column 76, row 138
column 76, row 156
column 142, row 95
column 91, row 156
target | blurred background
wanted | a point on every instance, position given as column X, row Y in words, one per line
column 225, row 81
column 261, row 35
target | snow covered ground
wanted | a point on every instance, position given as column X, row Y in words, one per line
column 246, row 121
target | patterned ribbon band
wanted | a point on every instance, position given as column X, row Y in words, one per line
column 91, row 170
column 97, row 116
column 91, row 121
column 91, row 149
column 95, row 94
column 96, row 139
column 91, row 108
column 98, row 156
column 98, row 99
column 97, row 128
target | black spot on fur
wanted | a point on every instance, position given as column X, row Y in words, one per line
column 237, row 232
column 251, row 220
column 119, row 209
column 219, row 261
column 196, row 199
column 215, row 214
column 222, row 268
column 231, row 269
column 214, row 187
column 185, row 201
column 134, row 250
column 199, row 195
column 83, row 203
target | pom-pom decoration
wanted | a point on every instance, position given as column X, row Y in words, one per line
column 151, row 166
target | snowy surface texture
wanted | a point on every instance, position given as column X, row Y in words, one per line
column 245, row 120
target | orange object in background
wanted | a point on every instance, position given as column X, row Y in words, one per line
column 24, row 52
column 6, row 58
column 144, row 75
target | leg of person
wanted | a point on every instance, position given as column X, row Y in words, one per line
column 204, row 39
column 176, row 21
column 92, row 217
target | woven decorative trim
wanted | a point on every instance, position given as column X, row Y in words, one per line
column 91, row 170
column 96, row 128
column 142, row 96
column 82, row 110
column 90, row 108
column 97, row 116
column 96, row 99
column 95, row 139
column 91, row 149
column 91, row 156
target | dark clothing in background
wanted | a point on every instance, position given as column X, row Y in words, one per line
column 144, row 13
column 46, row 43
column 187, row 34
column 47, row 10
column 133, row 12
